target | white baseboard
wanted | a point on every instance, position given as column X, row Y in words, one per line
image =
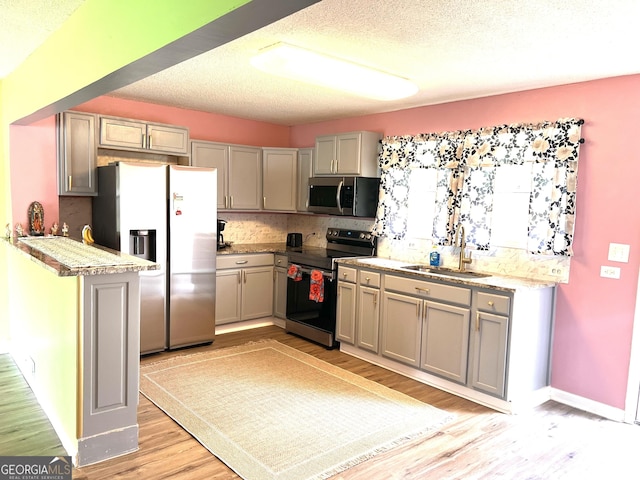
column 587, row 405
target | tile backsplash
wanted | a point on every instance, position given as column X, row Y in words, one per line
column 273, row 228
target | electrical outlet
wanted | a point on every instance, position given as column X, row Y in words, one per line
column 609, row 272
column 618, row 252
column 556, row 271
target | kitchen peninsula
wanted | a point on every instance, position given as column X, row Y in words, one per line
column 75, row 338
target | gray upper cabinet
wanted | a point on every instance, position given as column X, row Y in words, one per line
column 353, row 153
column 305, row 169
column 124, row 134
column 279, row 179
column 245, row 178
column 239, row 173
column 213, row 155
column 77, row 153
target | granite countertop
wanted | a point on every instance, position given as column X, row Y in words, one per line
column 497, row 282
column 240, row 248
column 67, row 257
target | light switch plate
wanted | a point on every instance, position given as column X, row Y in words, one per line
column 609, row 272
column 618, row 252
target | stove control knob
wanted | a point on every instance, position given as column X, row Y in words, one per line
column 368, row 236
column 335, row 233
column 361, row 235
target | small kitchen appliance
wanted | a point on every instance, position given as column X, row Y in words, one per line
column 220, row 229
column 294, row 239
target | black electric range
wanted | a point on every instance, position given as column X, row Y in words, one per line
column 307, row 316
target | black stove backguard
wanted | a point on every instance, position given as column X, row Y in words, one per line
column 316, row 321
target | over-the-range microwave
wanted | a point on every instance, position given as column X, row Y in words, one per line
column 351, row 196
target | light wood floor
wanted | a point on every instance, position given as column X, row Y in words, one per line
column 551, row 442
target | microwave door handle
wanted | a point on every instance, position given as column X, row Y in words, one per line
column 338, row 194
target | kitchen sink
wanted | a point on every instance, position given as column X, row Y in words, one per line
column 445, row 271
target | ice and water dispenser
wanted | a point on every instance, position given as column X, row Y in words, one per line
column 142, row 244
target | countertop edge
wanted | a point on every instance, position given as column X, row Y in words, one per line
column 494, row 281
column 54, row 266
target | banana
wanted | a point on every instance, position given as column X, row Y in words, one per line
column 87, row 237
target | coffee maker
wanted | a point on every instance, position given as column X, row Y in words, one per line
column 221, row 224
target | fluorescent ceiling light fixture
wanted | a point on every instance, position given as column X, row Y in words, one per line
column 303, row 65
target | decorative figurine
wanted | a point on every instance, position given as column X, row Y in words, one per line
column 54, row 229
column 65, row 229
column 19, row 231
column 36, row 219
column 7, row 232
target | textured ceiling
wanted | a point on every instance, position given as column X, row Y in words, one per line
column 453, row 49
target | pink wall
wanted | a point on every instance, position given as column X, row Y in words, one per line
column 594, row 316
column 594, row 320
column 33, row 171
column 202, row 126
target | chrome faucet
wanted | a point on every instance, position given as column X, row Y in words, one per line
column 462, row 259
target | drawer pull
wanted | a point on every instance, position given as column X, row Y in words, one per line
column 490, row 304
column 344, row 275
column 368, row 280
column 241, row 262
column 425, row 290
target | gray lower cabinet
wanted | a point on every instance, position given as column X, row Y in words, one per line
column 490, row 336
column 345, row 312
column 77, row 154
column 368, row 318
column 445, row 341
column 368, row 311
column 346, row 305
column 244, row 287
column 421, row 330
column 479, row 340
column 280, row 287
column 401, row 327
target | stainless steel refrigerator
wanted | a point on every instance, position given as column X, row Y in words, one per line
column 167, row 214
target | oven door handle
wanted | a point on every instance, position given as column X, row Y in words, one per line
column 309, row 270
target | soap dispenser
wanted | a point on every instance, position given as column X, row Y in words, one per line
column 434, row 257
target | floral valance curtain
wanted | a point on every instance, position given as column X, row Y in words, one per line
column 466, row 162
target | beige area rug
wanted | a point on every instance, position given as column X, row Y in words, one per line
column 269, row 411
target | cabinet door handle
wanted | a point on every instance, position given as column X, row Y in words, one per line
column 375, row 299
column 150, row 146
column 70, row 182
column 264, row 202
column 244, row 273
column 230, row 201
column 477, row 321
column 144, row 141
column 239, row 277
